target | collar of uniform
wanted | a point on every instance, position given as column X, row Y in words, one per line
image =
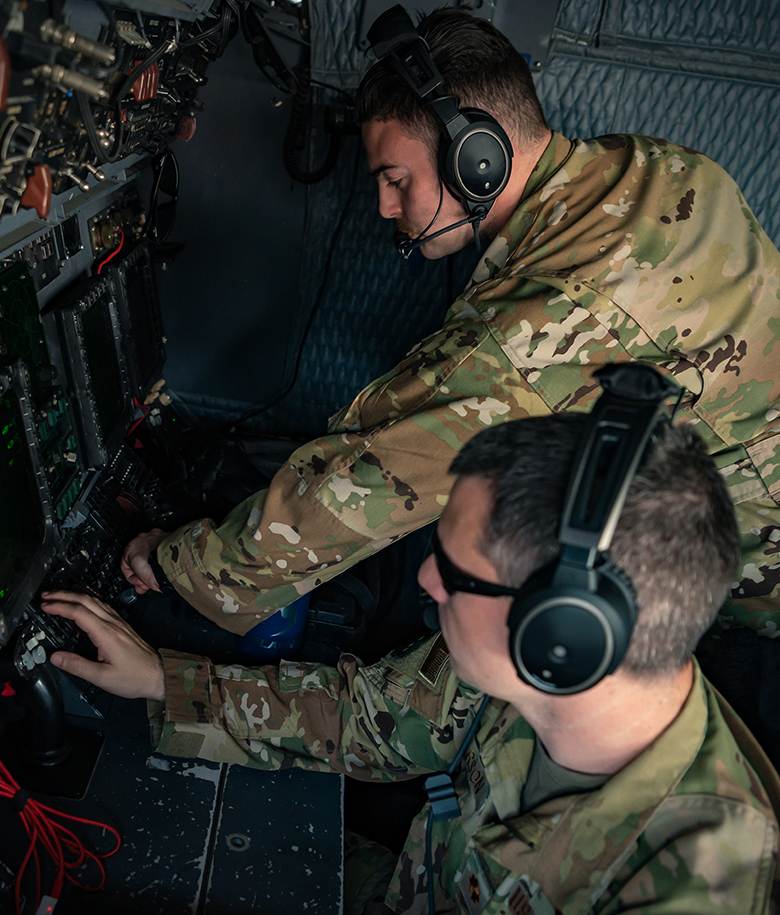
column 552, row 159
column 506, row 752
column 583, row 841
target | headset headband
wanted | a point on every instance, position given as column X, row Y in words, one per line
column 618, row 431
column 571, row 623
column 394, row 32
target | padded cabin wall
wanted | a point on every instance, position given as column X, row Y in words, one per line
column 703, row 74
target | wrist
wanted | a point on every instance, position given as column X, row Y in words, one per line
column 156, row 689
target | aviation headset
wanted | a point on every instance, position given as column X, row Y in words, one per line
column 475, row 155
column 571, row 622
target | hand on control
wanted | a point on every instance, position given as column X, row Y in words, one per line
column 126, row 665
column 135, row 561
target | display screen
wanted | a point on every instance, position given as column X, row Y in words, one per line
column 21, row 331
column 103, row 364
column 22, row 522
column 144, row 320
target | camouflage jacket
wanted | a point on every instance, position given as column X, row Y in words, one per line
column 621, row 248
column 688, row 826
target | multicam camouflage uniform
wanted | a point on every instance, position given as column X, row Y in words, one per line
column 622, row 248
column 688, row 826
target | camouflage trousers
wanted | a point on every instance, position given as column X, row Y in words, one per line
column 368, row 870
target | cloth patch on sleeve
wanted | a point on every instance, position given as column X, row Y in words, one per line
column 474, row 887
column 426, row 660
column 524, row 896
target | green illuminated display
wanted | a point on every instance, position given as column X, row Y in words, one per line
column 22, row 523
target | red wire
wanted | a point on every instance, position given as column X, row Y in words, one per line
column 57, row 840
column 114, row 253
column 146, row 408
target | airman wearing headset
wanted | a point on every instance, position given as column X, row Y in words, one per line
column 577, row 759
column 448, row 171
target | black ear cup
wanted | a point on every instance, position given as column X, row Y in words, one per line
column 564, row 637
column 477, row 162
column 475, row 154
column 571, row 623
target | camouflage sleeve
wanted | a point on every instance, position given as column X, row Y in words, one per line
column 380, row 473
column 372, row 723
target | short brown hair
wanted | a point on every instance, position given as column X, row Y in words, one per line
column 479, row 65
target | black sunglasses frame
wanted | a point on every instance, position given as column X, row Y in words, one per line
column 454, row 579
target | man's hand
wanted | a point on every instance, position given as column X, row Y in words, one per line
column 135, row 561
column 126, row 665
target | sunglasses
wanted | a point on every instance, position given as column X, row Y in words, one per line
column 454, row 579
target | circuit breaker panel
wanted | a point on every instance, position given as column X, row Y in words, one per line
column 85, row 85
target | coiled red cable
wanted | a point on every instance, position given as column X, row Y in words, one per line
column 62, row 845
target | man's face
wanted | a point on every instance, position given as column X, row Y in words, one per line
column 474, row 627
column 409, row 188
